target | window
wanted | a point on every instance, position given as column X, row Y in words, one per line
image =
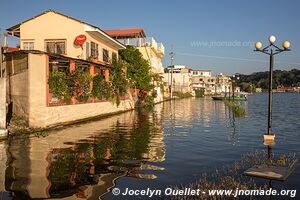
column 105, row 55
column 56, row 46
column 28, row 45
column 94, row 50
column 201, row 79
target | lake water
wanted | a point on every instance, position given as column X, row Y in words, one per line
column 173, row 145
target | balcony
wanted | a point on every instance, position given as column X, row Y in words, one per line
column 145, row 42
column 161, row 48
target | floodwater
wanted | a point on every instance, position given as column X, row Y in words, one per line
column 172, row 145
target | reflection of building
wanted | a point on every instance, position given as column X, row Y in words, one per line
column 151, row 51
column 181, row 78
column 3, row 160
column 82, row 161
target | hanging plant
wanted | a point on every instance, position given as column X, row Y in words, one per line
column 80, row 84
column 101, row 89
column 119, row 83
column 58, row 85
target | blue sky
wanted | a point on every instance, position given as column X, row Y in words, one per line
column 213, row 34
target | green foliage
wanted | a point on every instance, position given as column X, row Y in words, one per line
column 199, row 93
column 119, row 84
column 58, row 85
column 101, row 89
column 162, row 87
column 137, row 68
column 182, row 95
column 149, row 102
column 237, row 109
column 260, row 79
column 80, row 84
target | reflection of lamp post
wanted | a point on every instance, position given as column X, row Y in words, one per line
column 232, row 82
column 172, row 54
column 271, row 50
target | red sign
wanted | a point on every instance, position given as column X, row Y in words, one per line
column 80, row 40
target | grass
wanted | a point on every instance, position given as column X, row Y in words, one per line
column 182, row 95
column 237, row 109
column 230, row 177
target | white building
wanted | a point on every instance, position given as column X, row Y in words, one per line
column 181, row 78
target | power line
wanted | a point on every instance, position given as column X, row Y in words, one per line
column 231, row 58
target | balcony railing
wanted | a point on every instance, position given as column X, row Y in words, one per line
column 144, row 42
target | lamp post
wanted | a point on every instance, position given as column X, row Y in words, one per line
column 271, row 50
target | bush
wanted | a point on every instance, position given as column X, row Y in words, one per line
column 199, row 93
column 58, row 85
column 237, row 109
column 182, row 95
column 101, row 89
column 80, row 84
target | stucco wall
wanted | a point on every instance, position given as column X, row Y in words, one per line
column 153, row 59
column 18, row 89
column 41, row 115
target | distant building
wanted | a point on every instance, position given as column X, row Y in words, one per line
column 203, row 80
column 201, row 72
column 181, row 78
column 223, row 84
column 281, row 88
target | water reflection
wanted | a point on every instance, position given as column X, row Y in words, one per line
column 84, row 161
column 173, row 145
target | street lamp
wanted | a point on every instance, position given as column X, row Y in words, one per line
column 271, row 50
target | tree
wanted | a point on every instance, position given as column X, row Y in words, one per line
column 137, row 68
column 280, row 77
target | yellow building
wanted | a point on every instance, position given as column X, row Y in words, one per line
column 52, row 42
column 55, row 33
column 151, row 51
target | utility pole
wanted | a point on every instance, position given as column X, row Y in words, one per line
column 172, row 54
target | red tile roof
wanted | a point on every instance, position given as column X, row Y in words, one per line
column 129, row 32
column 11, row 49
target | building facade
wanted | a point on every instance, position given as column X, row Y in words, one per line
column 151, row 51
column 47, row 43
column 55, row 33
column 181, row 78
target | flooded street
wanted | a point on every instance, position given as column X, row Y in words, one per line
column 172, row 145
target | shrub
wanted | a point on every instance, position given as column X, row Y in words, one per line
column 58, row 85
column 182, row 95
